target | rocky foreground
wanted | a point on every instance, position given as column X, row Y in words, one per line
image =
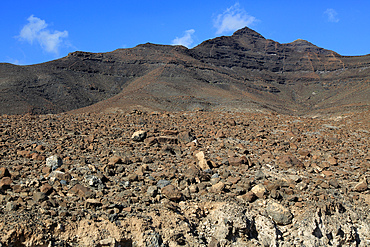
column 184, row 179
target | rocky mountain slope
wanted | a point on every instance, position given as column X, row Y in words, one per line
column 241, row 72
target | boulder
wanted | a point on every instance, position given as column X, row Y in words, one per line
column 280, row 214
column 54, row 162
column 171, row 192
column 139, row 136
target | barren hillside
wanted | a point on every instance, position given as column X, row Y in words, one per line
column 242, row 72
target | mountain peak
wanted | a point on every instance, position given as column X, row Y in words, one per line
column 246, row 31
column 302, row 42
column 301, row 45
column 245, row 37
column 229, row 72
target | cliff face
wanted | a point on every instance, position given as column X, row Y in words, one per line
column 239, row 72
column 248, row 49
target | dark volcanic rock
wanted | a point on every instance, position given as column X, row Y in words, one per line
column 244, row 71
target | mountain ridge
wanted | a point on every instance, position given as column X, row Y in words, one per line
column 241, row 72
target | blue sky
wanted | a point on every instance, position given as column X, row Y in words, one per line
column 35, row 31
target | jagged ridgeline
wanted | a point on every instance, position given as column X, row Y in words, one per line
column 241, row 72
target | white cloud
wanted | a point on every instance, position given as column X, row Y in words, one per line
column 332, row 15
column 185, row 40
column 233, row 19
column 36, row 31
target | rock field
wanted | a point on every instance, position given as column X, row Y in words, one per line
column 184, row 179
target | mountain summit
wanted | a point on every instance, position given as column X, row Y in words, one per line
column 241, row 72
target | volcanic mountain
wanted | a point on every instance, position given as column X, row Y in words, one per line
column 242, row 72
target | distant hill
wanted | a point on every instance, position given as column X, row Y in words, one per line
column 242, row 72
